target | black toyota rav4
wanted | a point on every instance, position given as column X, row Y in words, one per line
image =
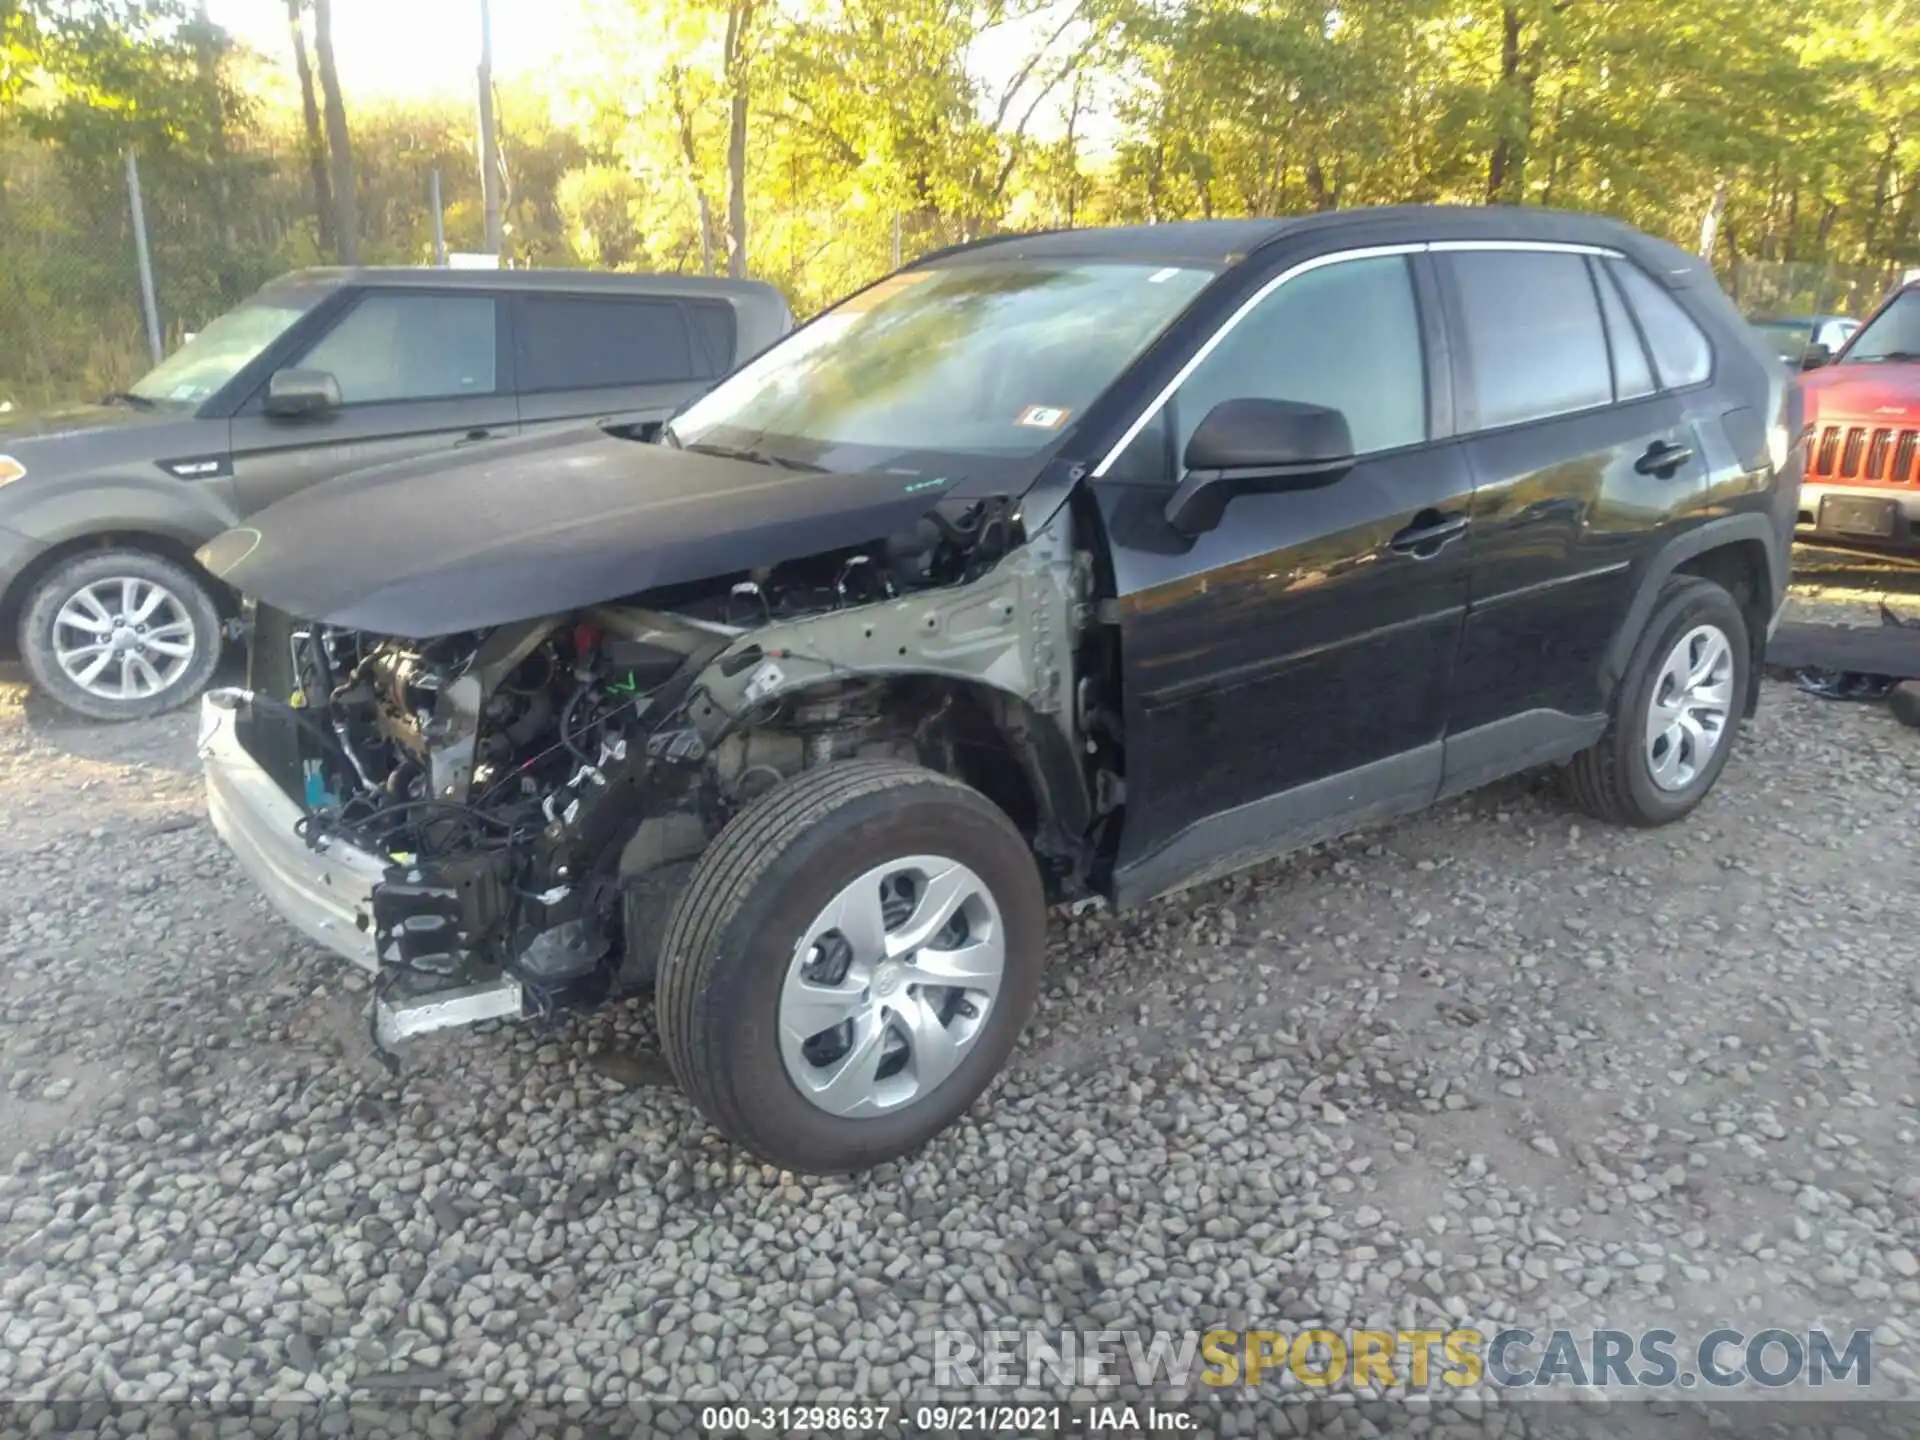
column 1092, row 563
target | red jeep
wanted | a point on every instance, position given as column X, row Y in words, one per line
column 1863, row 456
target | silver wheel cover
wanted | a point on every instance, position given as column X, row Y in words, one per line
column 1690, row 708
column 891, row 986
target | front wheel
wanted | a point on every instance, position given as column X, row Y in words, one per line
column 120, row 634
column 1675, row 713
column 850, row 964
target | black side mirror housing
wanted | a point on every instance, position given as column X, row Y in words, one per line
column 302, row 394
column 1815, row 356
column 1245, row 446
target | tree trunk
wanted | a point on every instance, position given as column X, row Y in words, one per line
column 1506, row 164
column 1716, row 211
column 346, row 209
column 316, row 142
column 207, row 73
column 1882, row 181
column 739, row 22
column 683, row 123
column 489, row 140
column 1323, row 197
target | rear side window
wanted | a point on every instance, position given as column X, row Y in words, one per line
column 1535, row 346
column 713, row 324
column 1632, row 375
column 577, row 342
column 1681, row 353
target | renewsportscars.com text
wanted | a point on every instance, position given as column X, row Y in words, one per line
column 1721, row 1361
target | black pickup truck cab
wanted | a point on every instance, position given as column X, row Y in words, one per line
column 1063, row 565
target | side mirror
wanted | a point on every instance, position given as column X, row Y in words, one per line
column 1257, row 445
column 1816, row 355
column 302, row 394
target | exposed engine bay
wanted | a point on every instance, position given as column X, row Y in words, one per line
column 541, row 788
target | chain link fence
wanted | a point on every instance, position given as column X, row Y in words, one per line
column 1785, row 288
column 74, row 324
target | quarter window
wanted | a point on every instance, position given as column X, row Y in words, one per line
column 573, row 342
column 1346, row 336
column 714, row 323
column 1534, row 343
column 410, row 347
column 1681, row 352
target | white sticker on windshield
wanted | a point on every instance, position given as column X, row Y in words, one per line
column 1042, row 417
column 1160, row 277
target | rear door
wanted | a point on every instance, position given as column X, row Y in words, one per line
column 1583, row 463
column 418, row 370
column 617, row 360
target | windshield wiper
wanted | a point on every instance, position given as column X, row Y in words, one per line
column 758, row 457
column 127, row 397
column 1894, row 355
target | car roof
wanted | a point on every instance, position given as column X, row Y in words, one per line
column 592, row 282
column 1228, row 242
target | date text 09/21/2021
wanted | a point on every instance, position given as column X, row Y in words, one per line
column 962, row 1418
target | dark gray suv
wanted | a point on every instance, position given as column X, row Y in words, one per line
column 321, row 372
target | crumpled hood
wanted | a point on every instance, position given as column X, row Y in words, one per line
column 1877, row 393
column 466, row 539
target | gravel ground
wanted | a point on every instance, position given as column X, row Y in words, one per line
column 1493, row 1065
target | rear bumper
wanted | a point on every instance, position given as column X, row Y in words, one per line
column 1906, row 501
column 326, row 894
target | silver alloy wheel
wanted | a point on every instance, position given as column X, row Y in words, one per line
column 891, row 985
column 123, row 638
column 1692, row 703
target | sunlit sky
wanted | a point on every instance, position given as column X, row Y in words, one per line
column 392, row 49
column 409, row 49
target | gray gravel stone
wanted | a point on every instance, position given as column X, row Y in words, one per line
column 1491, row 1065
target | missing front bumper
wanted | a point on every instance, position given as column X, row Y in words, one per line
column 326, row 894
column 329, row 894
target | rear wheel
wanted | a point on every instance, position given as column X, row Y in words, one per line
column 120, row 634
column 851, row 964
column 1675, row 713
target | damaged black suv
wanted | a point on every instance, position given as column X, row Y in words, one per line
column 1080, row 564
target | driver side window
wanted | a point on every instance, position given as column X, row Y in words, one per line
column 1346, row 336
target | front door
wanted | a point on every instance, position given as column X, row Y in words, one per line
column 418, row 372
column 1584, row 463
column 1287, row 673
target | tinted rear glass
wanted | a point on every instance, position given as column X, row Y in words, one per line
column 573, row 342
column 1632, row 375
column 713, row 323
column 1680, row 350
column 1534, row 341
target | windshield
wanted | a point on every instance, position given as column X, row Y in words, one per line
column 1894, row 334
column 1789, row 338
column 984, row 358
column 219, row 352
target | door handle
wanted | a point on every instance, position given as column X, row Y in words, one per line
column 1430, row 530
column 1663, row 458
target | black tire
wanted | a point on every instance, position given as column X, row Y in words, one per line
column 67, row 579
column 1613, row 779
column 1904, row 701
column 765, row 878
